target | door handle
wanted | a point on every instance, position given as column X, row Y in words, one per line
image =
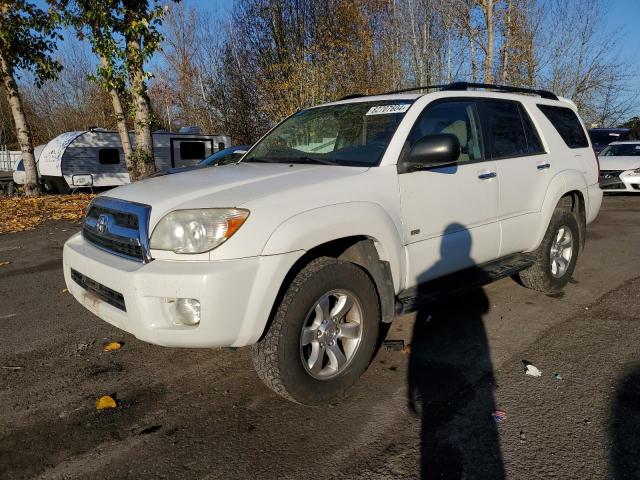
column 542, row 166
column 487, row 175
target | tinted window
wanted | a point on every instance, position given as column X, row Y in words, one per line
column 192, row 150
column 505, row 129
column 534, row 144
column 109, row 156
column 605, row 137
column 567, row 124
column 459, row 118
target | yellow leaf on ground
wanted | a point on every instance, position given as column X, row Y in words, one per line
column 65, row 290
column 105, row 402
column 2, row 264
column 111, row 346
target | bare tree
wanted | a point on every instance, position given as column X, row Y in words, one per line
column 27, row 39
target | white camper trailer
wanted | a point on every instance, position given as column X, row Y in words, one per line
column 95, row 158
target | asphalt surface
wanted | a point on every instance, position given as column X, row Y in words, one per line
column 426, row 413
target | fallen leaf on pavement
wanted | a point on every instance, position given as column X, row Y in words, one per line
column 105, row 402
column 111, row 346
column 2, row 264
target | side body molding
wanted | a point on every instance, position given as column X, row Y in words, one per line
column 309, row 229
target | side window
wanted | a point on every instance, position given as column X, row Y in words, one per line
column 506, row 132
column 534, row 144
column 459, row 118
column 566, row 122
column 109, row 156
column 192, row 150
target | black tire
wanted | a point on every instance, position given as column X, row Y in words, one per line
column 277, row 356
column 539, row 276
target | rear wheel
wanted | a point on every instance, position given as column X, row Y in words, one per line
column 323, row 334
column 556, row 257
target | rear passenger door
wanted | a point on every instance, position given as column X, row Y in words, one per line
column 524, row 169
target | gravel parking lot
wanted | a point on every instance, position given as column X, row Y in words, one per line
column 425, row 412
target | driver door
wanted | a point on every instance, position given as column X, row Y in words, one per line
column 449, row 213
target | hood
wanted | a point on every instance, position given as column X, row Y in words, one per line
column 619, row 163
column 225, row 186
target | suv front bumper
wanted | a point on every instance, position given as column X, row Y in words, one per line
column 236, row 296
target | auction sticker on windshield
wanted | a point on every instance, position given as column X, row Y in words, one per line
column 387, row 109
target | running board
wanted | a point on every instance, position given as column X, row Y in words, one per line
column 474, row 277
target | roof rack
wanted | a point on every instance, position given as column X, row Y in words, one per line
column 501, row 88
column 463, row 86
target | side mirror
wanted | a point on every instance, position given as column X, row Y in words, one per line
column 431, row 151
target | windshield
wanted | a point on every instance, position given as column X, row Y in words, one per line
column 350, row 134
column 623, row 150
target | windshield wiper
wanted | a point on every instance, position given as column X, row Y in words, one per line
column 320, row 161
column 261, row 160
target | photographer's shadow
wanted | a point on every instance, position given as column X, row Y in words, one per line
column 450, row 378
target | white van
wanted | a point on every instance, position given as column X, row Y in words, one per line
column 94, row 158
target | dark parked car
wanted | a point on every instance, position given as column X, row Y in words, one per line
column 601, row 137
column 223, row 157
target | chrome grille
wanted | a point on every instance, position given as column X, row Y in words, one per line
column 118, row 227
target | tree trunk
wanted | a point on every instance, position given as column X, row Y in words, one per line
column 23, row 134
column 488, row 59
column 506, row 45
column 121, row 122
column 472, row 54
column 143, row 154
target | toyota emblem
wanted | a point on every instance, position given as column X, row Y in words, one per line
column 101, row 225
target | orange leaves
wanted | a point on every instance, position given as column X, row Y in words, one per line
column 21, row 213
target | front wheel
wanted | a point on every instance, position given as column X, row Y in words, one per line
column 323, row 334
column 556, row 257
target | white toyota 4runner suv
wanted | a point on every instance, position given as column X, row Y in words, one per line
column 342, row 217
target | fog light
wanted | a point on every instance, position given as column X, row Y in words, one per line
column 186, row 311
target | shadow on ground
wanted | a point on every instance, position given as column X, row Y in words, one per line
column 451, row 382
column 625, row 427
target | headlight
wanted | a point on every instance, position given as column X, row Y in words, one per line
column 197, row 231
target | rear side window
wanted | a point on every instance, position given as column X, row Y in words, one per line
column 192, row 150
column 109, row 156
column 567, row 124
column 506, row 133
